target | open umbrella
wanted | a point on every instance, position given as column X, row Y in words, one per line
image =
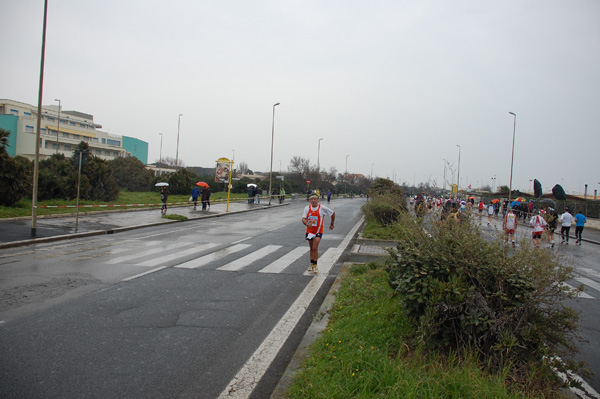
column 549, row 202
column 495, row 201
column 520, row 199
column 514, row 203
column 202, row 184
column 251, row 185
column 161, row 184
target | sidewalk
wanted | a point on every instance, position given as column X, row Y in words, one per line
column 15, row 232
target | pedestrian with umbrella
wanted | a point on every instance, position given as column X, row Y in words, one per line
column 164, row 196
column 204, row 194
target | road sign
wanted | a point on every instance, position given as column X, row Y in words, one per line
column 308, row 182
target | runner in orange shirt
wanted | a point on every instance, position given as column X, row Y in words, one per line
column 314, row 220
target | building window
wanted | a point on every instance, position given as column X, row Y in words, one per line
column 83, row 125
column 113, row 142
column 14, row 112
column 76, row 136
column 98, row 152
column 27, row 115
column 65, row 135
column 67, row 147
column 107, row 153
column 54, row 146
column 72, row 123
column 94, row 139
column 43, row 131
column 50, row 118
column 115, row 154
column 29, row 129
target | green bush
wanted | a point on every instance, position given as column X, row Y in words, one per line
column 464, row 293
column 384, row 209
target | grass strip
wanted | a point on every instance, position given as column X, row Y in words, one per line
column 365, row 352
column 23, row 207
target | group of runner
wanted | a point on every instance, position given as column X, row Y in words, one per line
column 543, row 222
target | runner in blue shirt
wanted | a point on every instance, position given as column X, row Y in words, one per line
column 579, row 223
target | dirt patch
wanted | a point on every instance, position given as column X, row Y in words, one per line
column 57, row 286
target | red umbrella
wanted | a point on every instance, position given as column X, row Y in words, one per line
column 495, row 200
column 202, row 184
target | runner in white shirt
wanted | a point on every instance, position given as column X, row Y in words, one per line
column 510, row 226
column 566, row 219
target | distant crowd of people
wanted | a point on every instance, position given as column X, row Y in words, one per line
column 543, row 222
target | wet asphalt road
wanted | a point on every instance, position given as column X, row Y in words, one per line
column 171, row 310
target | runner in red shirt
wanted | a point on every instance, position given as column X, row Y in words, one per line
column 314, row 220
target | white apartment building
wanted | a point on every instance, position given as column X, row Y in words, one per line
column 61, row 131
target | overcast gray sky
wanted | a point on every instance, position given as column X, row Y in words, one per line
column 396, row 85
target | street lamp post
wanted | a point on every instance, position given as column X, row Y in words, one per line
column 318, row 162
column 272, row 141
column 58, row 128
column 34, row 194
column 346, row 176
column 512, row 157
column 444, row 183
column 160, row 156
column 177, row 155
column 458, row 176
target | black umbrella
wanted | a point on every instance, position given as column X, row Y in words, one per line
column 549, row 202
column 559, row 193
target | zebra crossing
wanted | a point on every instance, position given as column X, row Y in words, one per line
column 189, row 255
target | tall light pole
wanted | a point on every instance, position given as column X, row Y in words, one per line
column 272, row 140
column 177, row 155
column 512, row 157
column 34, row 195
column 58, row 128
column 458, row 176
column 346, row 176
column 318, row 161
column 444, row 189
column 160, row 156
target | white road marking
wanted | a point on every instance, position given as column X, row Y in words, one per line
column 146, row 253
column 171, row 257
column 143, row 274
column 242, row 240
column 589, row 283
column 242, row 385
column 162, row 233
column 246, row 260
column 286, row 260
column 206, row 259
column 581, row 294
column 591, row 272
